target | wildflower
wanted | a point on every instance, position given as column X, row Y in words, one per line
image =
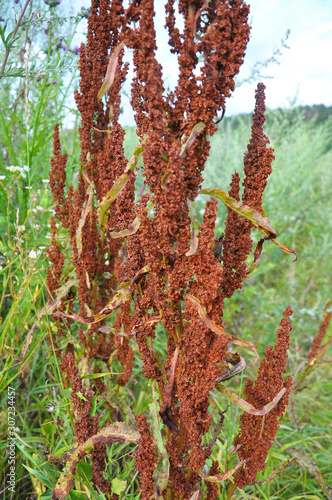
column 42, row 248
column 12, row 168
column 2, row 177
column 55, row 82
column 64, row 48
column 28, row 187
column 45, row 181
column 39, row 208
column 21, row 228
column 26, row 168
column 50, row 407
column 32, row 254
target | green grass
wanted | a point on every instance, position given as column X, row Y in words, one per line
column 296, row 202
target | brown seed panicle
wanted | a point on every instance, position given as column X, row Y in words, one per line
column 145, row 457
column 258, row 158
column 237, row 243
column 94, row 254
column 317, row 342
column 258, row 433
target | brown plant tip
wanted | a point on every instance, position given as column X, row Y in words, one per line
column 258, row 433
column 258, row 158
column 317, row 342
column 58, row 179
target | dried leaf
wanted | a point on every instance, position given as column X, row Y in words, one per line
column 111, row 69
column 275, row 473
column 244, row 343
column 107, row 329
column 121, row 297
column 161, row 473
column 60, row 294
column 118, row 432
column 195, row 131
column 27, row 342
column 219, row 330
column 306, row 463
column 257, row 219
column 194, row 231
column 117, row 187
column 168, row 392
column 132, row 229
column 87, row 205
column 218, row 478
column 134, row 226
column 197, row 495
column 238, row 363
column 247, row 407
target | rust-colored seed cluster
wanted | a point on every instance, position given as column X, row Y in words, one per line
column 159, row 263
column 317, row 342
column 93, row 255
column 145, row 458
column 237, row 243
column 258, row 433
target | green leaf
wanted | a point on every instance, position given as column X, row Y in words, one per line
column 118, row 486
column 80, row 395
column 7, row 141
column 43, row 478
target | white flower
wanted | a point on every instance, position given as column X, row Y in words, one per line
column 21, row 228
column 42, row 248
column 2, row 177
column 12, row 168
column 28, row 187
column 52, row 211
column 32, row 254
column 38, row 207
column 45, row 181
column 34, row 210
column 26, row 168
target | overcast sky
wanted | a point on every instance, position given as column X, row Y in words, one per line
column 304, row 72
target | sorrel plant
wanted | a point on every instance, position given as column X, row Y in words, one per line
column 143, row 268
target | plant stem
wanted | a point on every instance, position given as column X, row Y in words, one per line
column 12, row 37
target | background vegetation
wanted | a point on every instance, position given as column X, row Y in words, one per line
column 33, row 96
